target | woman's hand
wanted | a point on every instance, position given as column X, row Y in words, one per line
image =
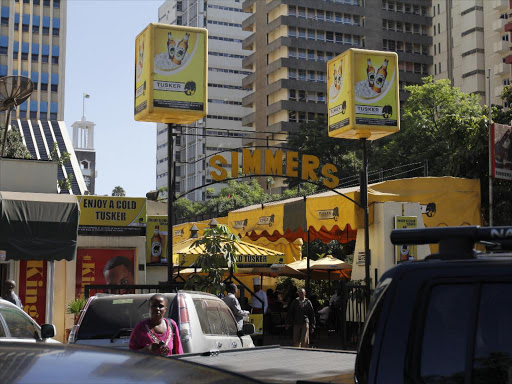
column 153, row 347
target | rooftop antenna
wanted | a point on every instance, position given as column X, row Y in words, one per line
column 14, row 90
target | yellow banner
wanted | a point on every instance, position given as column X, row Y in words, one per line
column 363, row 94
column 181, row 232
column 156, row 240
column 171, row 74
column 269, row 219
column 99, row 213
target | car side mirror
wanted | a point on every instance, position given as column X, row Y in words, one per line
column 47, row 331
column 247, row 329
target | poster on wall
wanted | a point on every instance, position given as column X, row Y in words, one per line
column 32, row 289
column 405, row 252
column 156, row 240
column 501, row 151
column 96, row 266
column 112, row 216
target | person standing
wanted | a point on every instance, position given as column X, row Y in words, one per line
column 10, row 295
column 157, row 334
column 261, row 305
column 302, row 316
column 234, row 305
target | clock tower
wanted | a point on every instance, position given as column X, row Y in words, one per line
column 83, row 143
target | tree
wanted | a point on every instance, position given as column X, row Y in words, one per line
column 61, row 160
column 220, row 253
column 14, row 148
column 313, row 139
column 118, row 191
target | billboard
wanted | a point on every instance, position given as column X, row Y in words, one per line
column 92, row 269
column 171, row 74
column 362, row 90
column 112, row 216
column 156, row 240
column 501, row 151
column 405, row 252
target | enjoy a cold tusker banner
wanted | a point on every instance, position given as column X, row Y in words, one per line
column 362, row 88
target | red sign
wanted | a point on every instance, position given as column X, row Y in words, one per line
column 91, row 270
column 32, row 288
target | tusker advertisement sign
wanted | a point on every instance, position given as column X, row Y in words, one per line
column 171, row 74
column 156, row 240
column 501, row 151
column 405, row 252
column 112, row 216
column 363, row 97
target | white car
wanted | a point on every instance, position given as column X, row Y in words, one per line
column 205, row 322
column 16, row 325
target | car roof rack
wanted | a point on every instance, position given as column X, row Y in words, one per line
column 455, row 242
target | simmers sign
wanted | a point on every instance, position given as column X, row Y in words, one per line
column 266, row 162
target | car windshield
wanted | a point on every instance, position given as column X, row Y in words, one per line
column 18, row 324
column 105, row 318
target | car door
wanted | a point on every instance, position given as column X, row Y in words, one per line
column 230, row 326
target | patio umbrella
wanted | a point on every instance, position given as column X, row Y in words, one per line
column 325, row 268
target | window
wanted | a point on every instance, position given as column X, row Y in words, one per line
column 329, row 37
column 311, row 54
column 292, row 116
column 338, row 17
column 311, row 76
column 328, row 16
column 35, row 28
column 55, row 31
column 44, row 87
column 302, row 74
column 35, row 57
column 311, row 13
column 320, row 15
column 209, row 316
column 55, row 60
column 292, row 32
column 46, row 30
column 302, row 53
column 445, row 335
column 320, row 56
column 311, row 116
column 229, row 321
column 18, row 324
column 320, row 35
column 504, row 37
column 292, row 10
column 339, row 38
column 311, row 34
column 3, row 50
column 44, row 58
column 25, row 28
column 292, row 53
column 302, row 12
column 292, row 95
column 5, row 21
column 55, row 87
column 302, row 33
column 357, row 20
column 438, row 27
column 440, row 68
column 24, row 56
column 292, row 73
column 321, row 77
column 302, row 117
column 302, row 96
column 408, row 27
column 320, row 97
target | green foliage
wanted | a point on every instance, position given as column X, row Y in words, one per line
column 220, row 252
column 75, row 306
column 312, row 138
column 61, row 160
column 14, row 147
column 118, row 191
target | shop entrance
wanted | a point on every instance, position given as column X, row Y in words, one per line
column 4, row 275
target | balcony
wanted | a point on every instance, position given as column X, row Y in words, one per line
column 501, row 69
column 501, row 5
column 498, row 90
column 501, row 46
column 499, row 24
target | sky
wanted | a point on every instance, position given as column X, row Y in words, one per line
column 100, row 51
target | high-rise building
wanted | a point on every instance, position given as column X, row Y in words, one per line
column 33, row 44
column 83, row 144
column 223, row 19
column 471, row 37
column 292, row 40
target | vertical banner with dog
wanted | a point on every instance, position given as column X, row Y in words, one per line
column 363, row 92
column 501, row 151
column 405, row 252
column 171, row 74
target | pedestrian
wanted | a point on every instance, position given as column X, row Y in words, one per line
column 157, row 334
column 234, row 305
column 261, row 305
column 10, row 295
column 302, row 316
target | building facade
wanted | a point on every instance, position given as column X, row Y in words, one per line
column 33, row 44
column 292, row 40
column 470, row 37
column 222, row 129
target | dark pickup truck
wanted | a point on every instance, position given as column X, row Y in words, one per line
column 444, row 320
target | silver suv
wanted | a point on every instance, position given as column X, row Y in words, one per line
column 205, row 322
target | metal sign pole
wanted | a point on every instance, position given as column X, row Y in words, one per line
column 490, row 152
column 170, row 201
column 364, row 201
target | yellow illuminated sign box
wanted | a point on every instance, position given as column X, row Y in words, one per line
column 171, row 74
column 363, row 95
